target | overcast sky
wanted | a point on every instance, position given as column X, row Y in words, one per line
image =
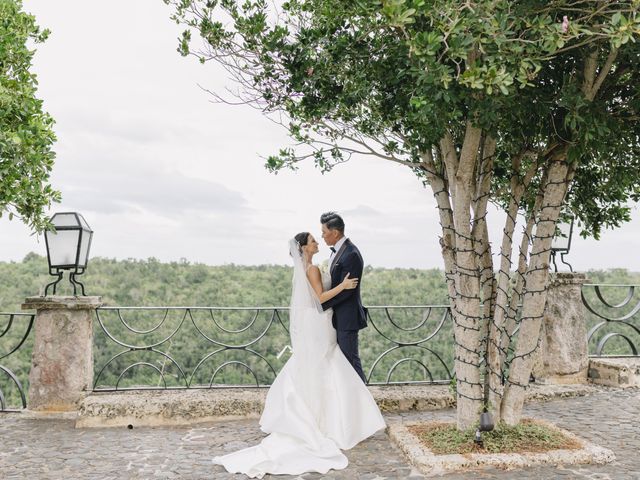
column 159, row 171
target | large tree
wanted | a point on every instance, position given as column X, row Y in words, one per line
column 26, row 134
column 530, row 105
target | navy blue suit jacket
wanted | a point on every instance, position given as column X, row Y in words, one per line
column 348, row 312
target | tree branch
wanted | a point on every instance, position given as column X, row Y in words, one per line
column 604, row 71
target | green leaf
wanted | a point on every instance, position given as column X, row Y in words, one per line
column 26, row 135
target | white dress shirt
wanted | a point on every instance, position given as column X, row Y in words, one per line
column 337, row 247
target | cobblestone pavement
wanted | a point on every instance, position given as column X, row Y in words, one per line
column 53, row 449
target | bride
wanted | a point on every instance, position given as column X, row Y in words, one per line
column 317, row 405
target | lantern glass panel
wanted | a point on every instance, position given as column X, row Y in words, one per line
column 562, row 238
column 83, row 223
column 63, row 247
column 65, row 220
column 84, row 248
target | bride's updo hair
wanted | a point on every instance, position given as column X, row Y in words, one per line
column 302, row 238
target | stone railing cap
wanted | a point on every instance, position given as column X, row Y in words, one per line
column 55, row 302
column 568, row 278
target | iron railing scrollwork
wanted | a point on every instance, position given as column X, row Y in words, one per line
column 213, row 347
column 167, row 346
column 14, row 333
column 613, row 319
column 419, row 349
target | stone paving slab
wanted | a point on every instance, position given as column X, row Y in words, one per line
column 38, row 448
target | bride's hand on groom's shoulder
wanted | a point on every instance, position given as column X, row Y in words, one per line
column 349, row 283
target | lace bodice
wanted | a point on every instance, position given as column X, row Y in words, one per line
column 326, row 280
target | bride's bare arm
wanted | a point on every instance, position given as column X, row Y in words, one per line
column 313, row 274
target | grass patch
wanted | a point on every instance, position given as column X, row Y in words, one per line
column 528, row 436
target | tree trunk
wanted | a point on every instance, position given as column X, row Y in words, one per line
column 480, row 234
column 535, row 295
column 447, row 240
column 467, row 317
column 499, row 333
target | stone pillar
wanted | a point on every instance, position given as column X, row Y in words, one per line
column 564, row 355
column 62, row 361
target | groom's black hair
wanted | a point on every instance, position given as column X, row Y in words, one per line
column 333, row 221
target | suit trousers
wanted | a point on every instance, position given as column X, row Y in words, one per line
column 348, row 343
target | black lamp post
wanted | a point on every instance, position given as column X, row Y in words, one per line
column 561, row 243
column 68, row 248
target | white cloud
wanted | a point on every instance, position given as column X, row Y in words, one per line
column 168, row 194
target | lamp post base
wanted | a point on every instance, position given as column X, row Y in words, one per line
column 62, row 360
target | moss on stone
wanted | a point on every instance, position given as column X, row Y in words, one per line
column 528, row 436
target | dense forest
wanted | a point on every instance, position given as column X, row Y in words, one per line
column 213, row 346
column 151, row 282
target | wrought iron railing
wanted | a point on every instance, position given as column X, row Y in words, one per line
column 209, row 347
column 214, row 347
column 613, row 319
column 15, row 359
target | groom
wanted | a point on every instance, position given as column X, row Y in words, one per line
column 349, row 315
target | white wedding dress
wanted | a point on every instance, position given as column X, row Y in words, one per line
column 317, row 405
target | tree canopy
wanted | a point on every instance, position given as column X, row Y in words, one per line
column 26, row 131
column 530, row 105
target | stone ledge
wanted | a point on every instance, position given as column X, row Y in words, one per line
column 621, row 372
column 38, row 415
column 168, row 407
column 545, row 392
column 435, row 465
column 58, row 302
column 185, row 407
column 567, row 278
